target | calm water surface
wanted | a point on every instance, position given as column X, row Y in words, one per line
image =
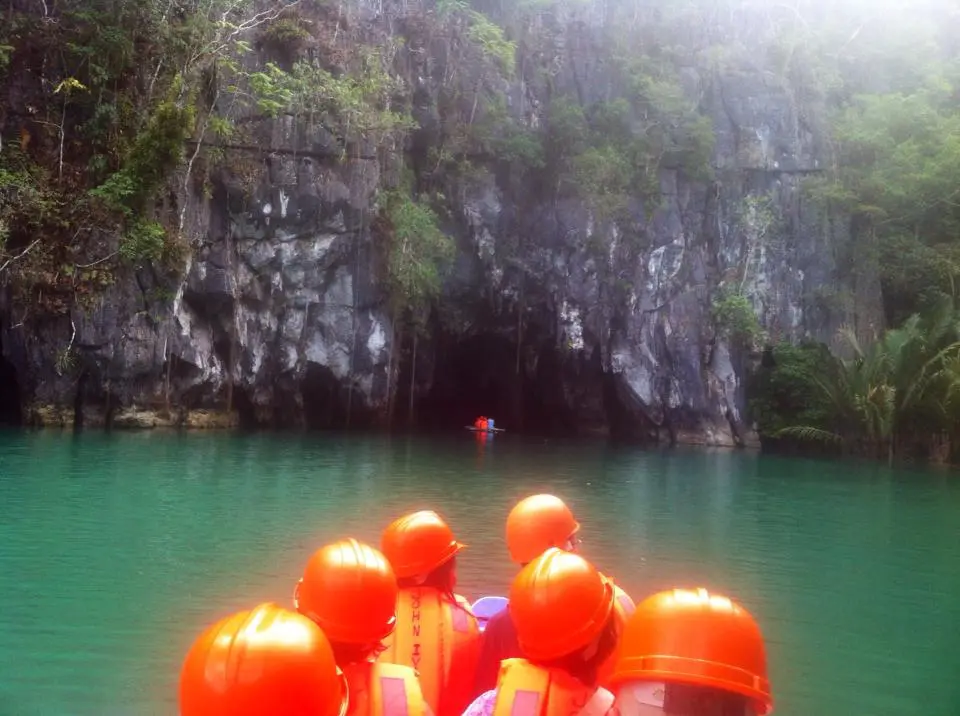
column 115, row 549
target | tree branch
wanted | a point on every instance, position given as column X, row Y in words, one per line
column 98, row 261
column 63, row 360
column 19, row 256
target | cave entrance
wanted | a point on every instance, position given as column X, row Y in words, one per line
column 328, row 403
column 324, row 399
column 11, row 406
column 478, row 376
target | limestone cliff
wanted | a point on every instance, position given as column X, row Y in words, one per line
column 552, row 317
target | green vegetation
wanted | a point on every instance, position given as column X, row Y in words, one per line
column 354, row 106
column 418, row 252
column 785, row 392
column 608, row 153
column 137, row 94
column 735, row 317
column 883, row 80
column 896, row 397
column 142, row 95
column 121, row 89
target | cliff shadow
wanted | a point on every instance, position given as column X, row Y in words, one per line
column 11, row 398
column 478, row 375
column 328, row 403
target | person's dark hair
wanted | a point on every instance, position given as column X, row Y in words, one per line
column 705, row 701
column 442, row 578
column 346, row 654
column 585, row 670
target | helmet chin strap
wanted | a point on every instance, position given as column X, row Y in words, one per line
column 344, row 684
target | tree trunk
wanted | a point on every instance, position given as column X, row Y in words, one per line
column 395, row 347
column 353, row 316
column 232, row 352
column 390, row 389
column 413, row 375
column 519, row 327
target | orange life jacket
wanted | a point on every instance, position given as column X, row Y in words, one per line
column 377, row 689
column 623, row 607
column 524, row 689
column 441, row 641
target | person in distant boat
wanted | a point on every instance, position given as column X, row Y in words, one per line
column 563, row 609
column 534, row 525
column 349, row 589
column 266, row 661
column 480, row 423
column 691, row 653
column 436, row 632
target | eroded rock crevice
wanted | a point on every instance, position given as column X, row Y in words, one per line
column 11, row 399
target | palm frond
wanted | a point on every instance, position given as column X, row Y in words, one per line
column 808, row 433
column 850, row 338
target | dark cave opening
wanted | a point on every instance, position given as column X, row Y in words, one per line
column 478, row 376
column 83, row 382
column 327, row 402
column 246, row 410
column 11, row 405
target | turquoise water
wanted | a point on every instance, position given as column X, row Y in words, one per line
column 115, row 549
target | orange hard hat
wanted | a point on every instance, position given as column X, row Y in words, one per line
column 268, row 661
column 559, row 603
column 536, row 524
column 349, row 589
column 694, row 637
column 418, row 543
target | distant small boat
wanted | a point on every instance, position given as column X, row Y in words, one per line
column 475, row 429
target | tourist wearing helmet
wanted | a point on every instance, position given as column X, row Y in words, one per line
column 268, row 661
column 691, row 653
column 534, row 525
column 563, row 610
column 436, row 633
column 349, row 589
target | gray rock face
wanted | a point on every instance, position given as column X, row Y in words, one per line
column 673, row 374
column 277, row 308
column 280, row 315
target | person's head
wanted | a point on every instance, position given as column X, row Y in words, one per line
column 536, row 524
column 562, row 609
column 422, row 550
column 349, row 589
column 268, row 661
column 691, row 653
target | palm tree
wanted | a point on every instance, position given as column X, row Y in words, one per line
column 903, row 382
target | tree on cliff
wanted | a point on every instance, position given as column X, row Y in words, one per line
column 109, row 94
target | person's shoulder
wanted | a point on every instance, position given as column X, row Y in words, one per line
column 499, row 621
column 483, row 704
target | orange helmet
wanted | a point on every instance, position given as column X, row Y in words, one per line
column 559, row 603
column 268, row 661
column 694, row 637
column 349, row 589
column 418, row 543
column 536, row 524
